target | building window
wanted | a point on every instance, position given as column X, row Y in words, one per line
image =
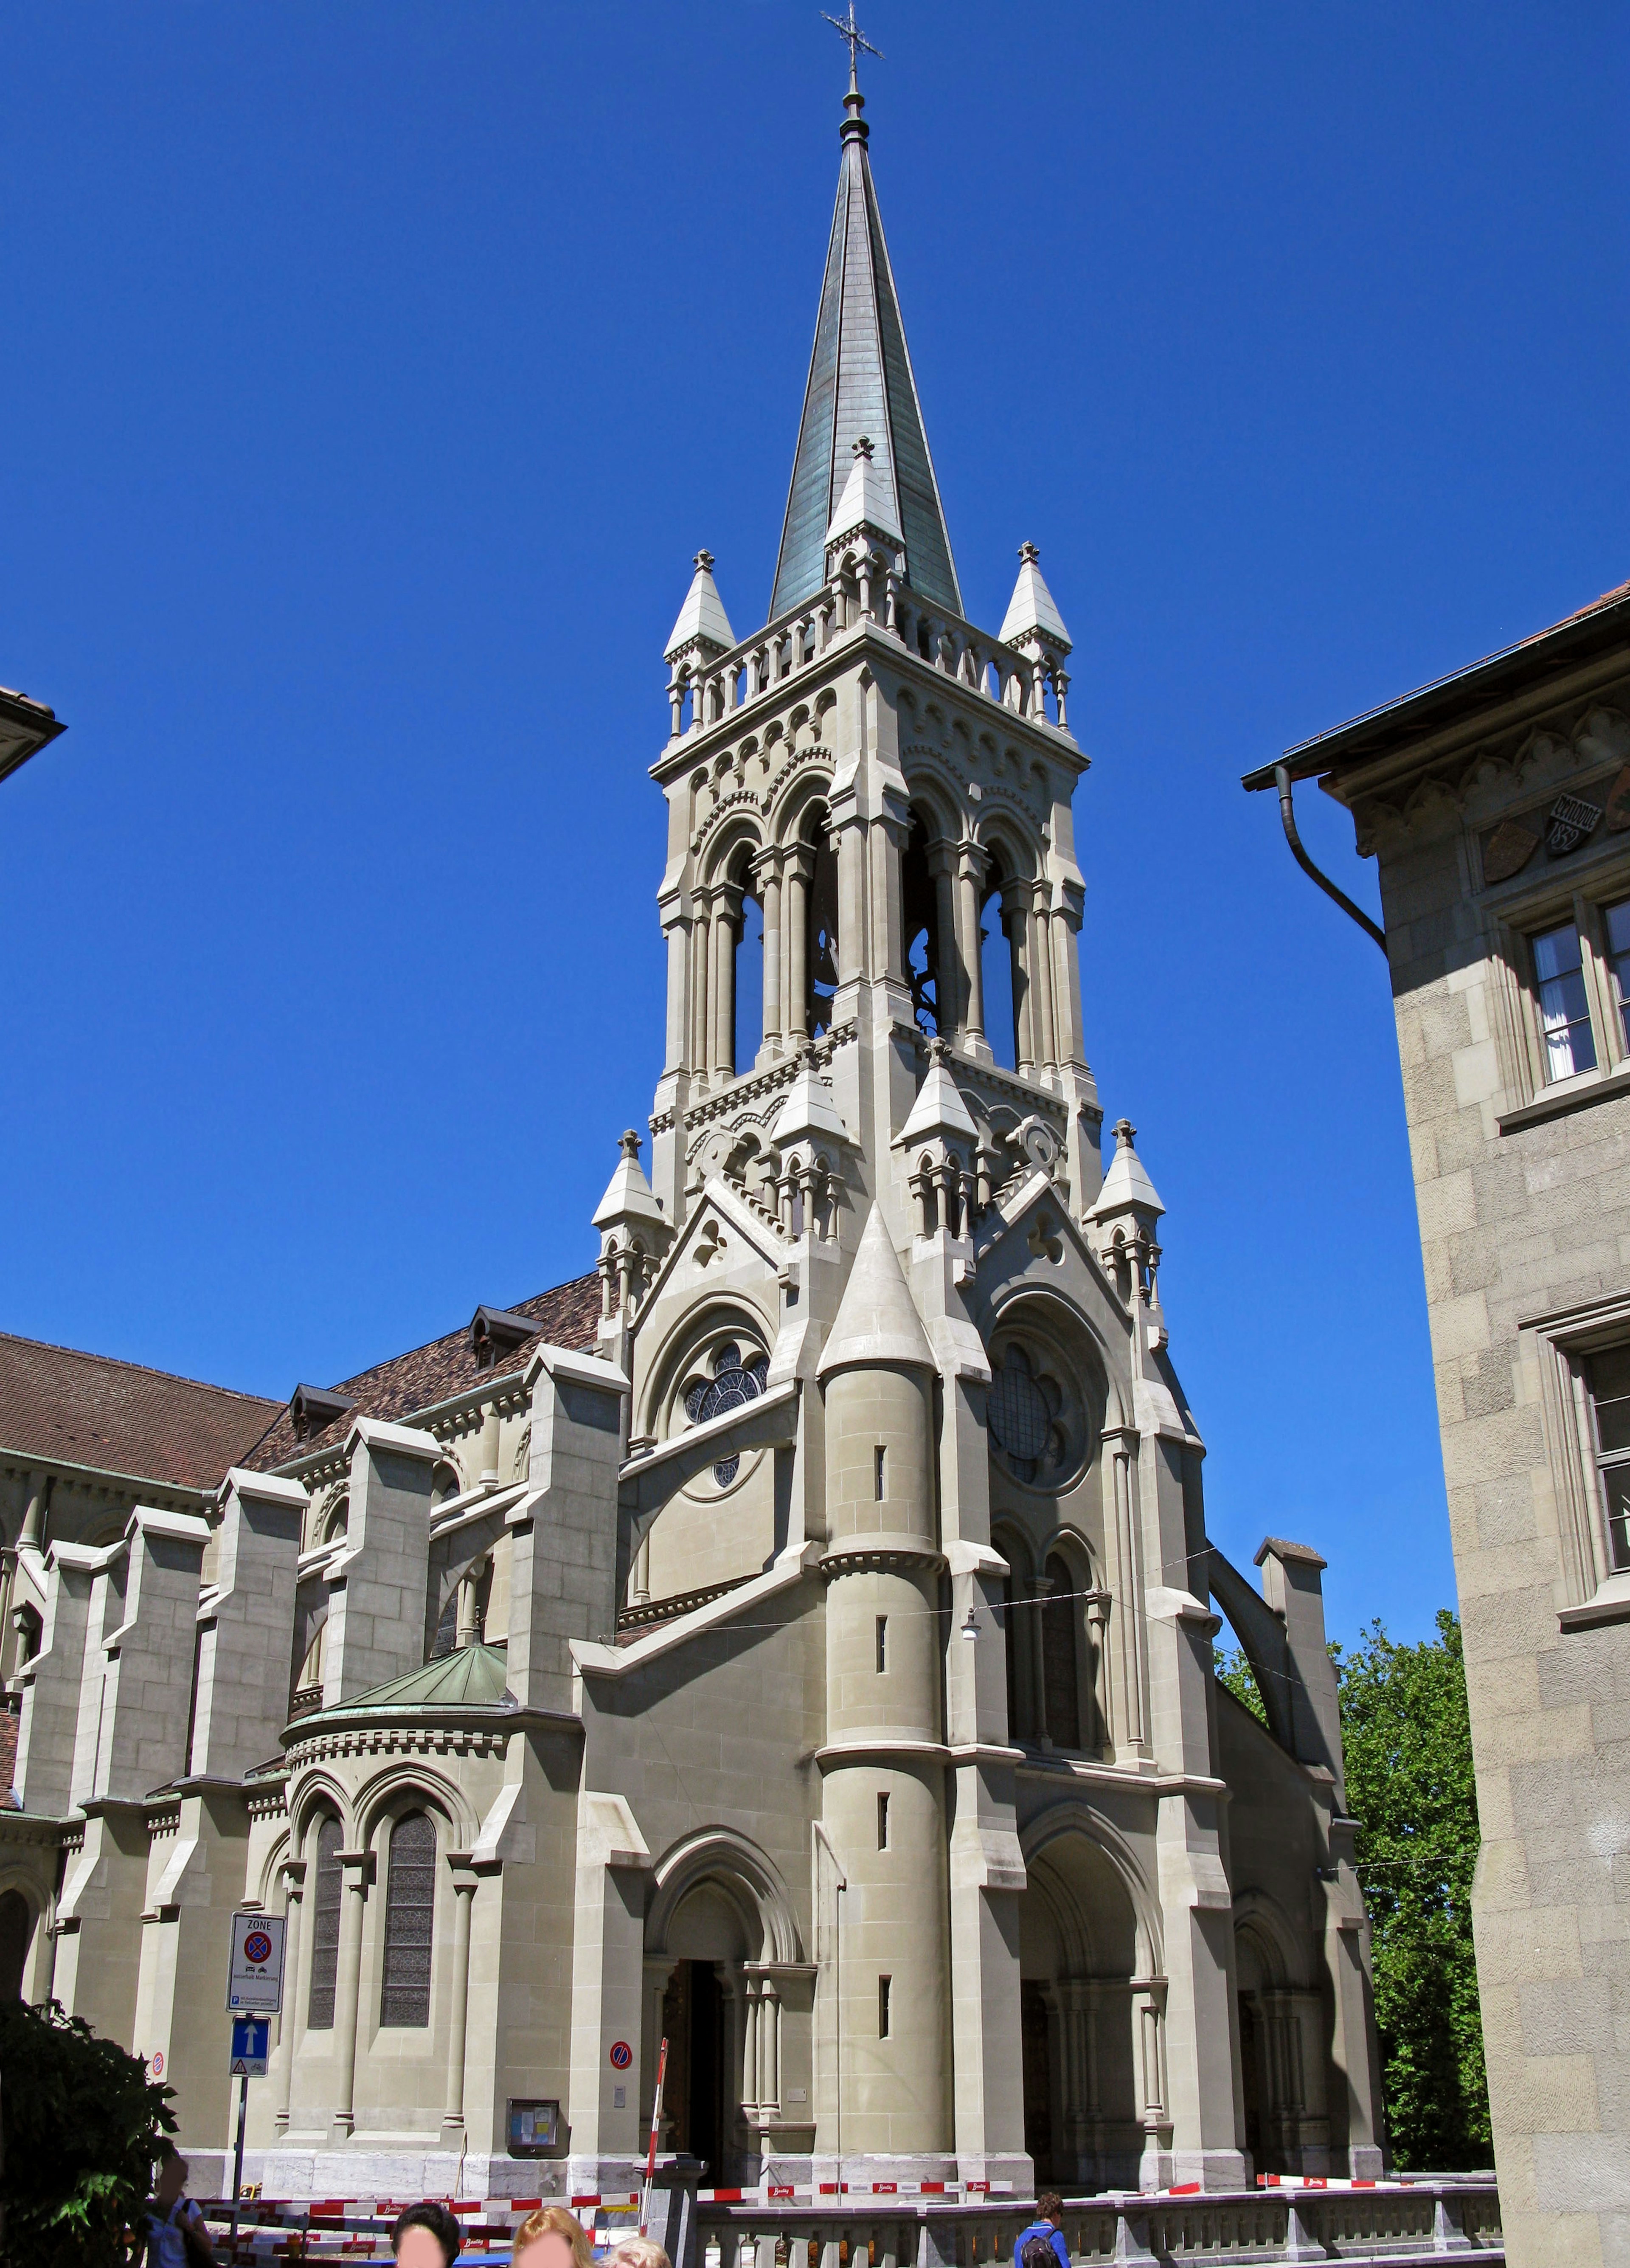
column 883, row 2006
column 325, row 1928
column 883, row 1822
column 736, row 1379
column 883, row 1644
column 1564, row 1009
column 1058, row 1657
column 1607, row 1377
column 409, row 1919
column 1615, row 932
column 879, row 1481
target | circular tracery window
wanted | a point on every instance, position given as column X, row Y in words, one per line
column 733, row 1381
column 1036, row 1426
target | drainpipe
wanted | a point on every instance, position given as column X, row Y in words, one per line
column 1287, row 812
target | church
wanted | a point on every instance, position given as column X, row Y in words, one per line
column 794, row 1639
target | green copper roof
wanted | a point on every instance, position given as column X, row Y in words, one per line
column 860, row 383
column 472, row 1678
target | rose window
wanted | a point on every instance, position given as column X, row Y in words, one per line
column 1027, row 1421
column 733, row 1381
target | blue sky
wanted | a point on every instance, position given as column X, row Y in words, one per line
column 375, row 371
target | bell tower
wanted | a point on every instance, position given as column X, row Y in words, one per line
column 878, row 789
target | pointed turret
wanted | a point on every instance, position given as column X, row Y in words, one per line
column 865, row 502
column 861, row 383
column 939, row 1107
column 877, row 1320
column 634, row 1232
column 1034, row 627
column 703, row 622
column 1126, row 1190
column 1031, row 614
column 810, row 1112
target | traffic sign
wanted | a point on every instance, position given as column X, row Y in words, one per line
column 621, row 2055
column 254, row 1980
column 250, row 2035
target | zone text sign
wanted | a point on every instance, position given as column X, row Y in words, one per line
column 254, row 1981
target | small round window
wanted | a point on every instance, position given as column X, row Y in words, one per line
column 731, row 1380
column 1036, row 1428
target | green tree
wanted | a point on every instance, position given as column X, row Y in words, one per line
column 83, row 2128
column 1408, row 1750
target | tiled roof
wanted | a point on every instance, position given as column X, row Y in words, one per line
column 567, row 1316
column 64, row 1407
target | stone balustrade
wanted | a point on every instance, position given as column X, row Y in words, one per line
column 725, row 684
column 1406, row 2221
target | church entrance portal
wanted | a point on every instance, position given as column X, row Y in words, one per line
column 1077, row 1958
column 694, row 2020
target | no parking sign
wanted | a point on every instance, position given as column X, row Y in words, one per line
column 254, row 1982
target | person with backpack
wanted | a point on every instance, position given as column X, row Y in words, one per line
column 1042, row 2244
column 171, row 2233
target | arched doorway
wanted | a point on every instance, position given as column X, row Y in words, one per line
column 701, row 2013
column 1078, row 1956
column 17, row 1928
column 1281, row 2054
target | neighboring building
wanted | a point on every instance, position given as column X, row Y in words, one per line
column 25, row 727
column 83, row 1440
column 1497, row 807
column 794, row 1639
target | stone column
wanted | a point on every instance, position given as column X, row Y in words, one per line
column 769, row 2047
column 289, row 2024
column 799, row 870
column 700, row 956
column 1040, row 1589
column 466, row 1628
column 751, row 2035
column 31, row 1534
column 767, row 869
column 463, row 1879
column 1096, row 1668
column 1129, row 1728
column 354, row 1866
column 721, row 987
column 1041, row 975
column 678, row 947
column 971, row 863
column 1149, row 2015
column 1016, row 923
column 948, row 975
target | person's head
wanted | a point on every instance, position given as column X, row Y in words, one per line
column 172, row 2180
column 1050, row 2206
column 552, row 2238
column 640, row 2252
column 425, row 2236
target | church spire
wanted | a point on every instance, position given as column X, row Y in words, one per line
column 861, row 385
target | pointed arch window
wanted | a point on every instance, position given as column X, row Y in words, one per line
column 821, row 959
column 409, row 1922
column 324, row 1927
column 1059, row 1665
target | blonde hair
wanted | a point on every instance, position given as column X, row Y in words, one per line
column 642, row 2252
column 554, row 2220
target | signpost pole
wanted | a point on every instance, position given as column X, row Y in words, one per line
column 650, row 2154
column 238, row 2164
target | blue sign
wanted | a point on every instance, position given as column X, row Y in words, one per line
column 251, row 2035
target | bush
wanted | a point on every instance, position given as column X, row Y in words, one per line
column 83, row 2128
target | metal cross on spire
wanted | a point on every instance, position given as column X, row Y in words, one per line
column 858, row 40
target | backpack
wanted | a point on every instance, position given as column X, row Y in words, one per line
column 1038, row 2253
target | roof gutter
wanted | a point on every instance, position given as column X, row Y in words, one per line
column 1287, row 813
